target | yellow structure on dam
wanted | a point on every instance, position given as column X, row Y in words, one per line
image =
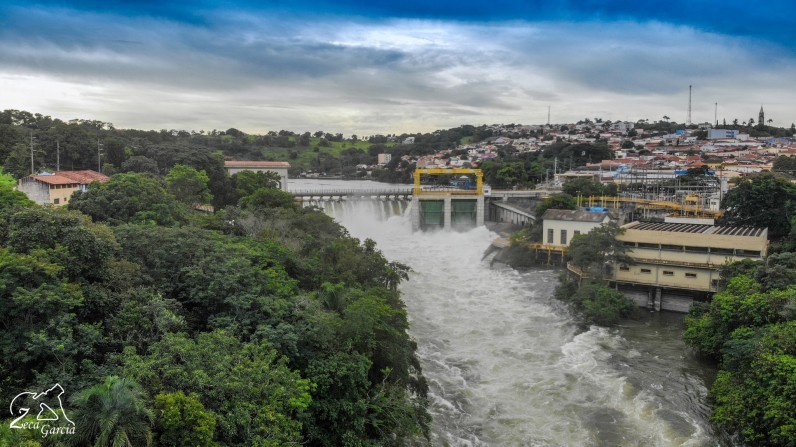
column 457, row 204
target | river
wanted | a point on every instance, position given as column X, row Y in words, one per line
column 508, row 365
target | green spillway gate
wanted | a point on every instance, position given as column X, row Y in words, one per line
column 432, row 213
column 463, row 213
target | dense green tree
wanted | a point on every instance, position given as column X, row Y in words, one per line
column 269, row 198
column 113, row 414
column 127, row 198
column 115, row 152
column 598, row 250
column 588, row 187
column 255, row 396
column 556, row 202
column 141, row 164
column 602, row 305
column 40, row 328
column 755, row 396
column 761, row 200
column 69, row 238
column 182, row 420
column 188, row 185
column 10, row 197
column 742, row 304
column 786, row 164
column 511, row 174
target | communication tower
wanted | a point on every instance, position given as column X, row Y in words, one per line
column 688, row 120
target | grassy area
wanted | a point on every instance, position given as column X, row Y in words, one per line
column 304, row 154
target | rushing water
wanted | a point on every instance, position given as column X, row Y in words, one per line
column 508, row 366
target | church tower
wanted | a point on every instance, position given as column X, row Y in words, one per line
column 762, row 117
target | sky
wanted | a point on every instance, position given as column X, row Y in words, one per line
column 393, row 67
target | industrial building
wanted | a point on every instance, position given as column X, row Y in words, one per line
column 675, row 261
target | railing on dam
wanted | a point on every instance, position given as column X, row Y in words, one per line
column 409, row 191
column 382, row 192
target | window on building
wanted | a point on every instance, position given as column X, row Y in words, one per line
column 714, row 283
column 56, row 201
column 647, row 245
column 722, row 251
column 646, row 271
column 696, row 249
column 624, row 268
column 668, row 273
column 668, row 247
column 575, row 234
column 629, row 244
column 690, row 275
column 563, row 237
column 752, row 253
column 550, row 236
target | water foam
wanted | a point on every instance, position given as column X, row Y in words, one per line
column 506, row 363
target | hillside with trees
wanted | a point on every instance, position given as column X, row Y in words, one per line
column 264, row 324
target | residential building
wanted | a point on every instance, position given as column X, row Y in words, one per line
column 560, row 226
column 673, row 258
column 56, row 188
column 383, row 159
column 279, row 167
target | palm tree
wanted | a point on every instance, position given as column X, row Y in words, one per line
column 666, row 118
column 770, row 121
column 113, row 414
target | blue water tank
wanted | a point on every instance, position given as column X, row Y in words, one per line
column 597, row 209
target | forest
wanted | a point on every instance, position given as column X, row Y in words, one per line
column 262, row 324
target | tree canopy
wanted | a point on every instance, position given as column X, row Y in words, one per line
column 761, row 200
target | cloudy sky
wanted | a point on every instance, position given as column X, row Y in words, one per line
column 383, row 67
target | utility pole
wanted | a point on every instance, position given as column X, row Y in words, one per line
column 31, row 154
column 99, row 157
column 555, row 169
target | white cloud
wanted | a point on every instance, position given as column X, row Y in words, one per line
column 266, row 73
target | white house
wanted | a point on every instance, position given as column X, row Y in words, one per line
column 279, row 167
column 560, row 226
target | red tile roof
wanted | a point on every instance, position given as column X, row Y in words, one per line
column 256, row 164
column 83, row 177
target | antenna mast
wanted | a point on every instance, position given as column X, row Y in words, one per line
column 548, row 115
column 716, row 113
column 688, row 121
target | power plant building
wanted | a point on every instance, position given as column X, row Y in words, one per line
column 672, row 257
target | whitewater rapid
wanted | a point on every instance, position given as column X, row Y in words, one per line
column 508, row 365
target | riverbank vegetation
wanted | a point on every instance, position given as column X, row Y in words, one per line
column 749, row 328
column 264, row 324
column 591, row 254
